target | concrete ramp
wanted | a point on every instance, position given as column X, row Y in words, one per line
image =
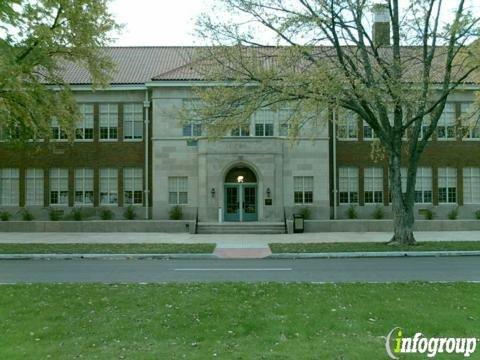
column 242, row 251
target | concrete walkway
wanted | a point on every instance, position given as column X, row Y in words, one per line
column 229, row 240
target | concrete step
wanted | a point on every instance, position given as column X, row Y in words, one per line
column 241, row 228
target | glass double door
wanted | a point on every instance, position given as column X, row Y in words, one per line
column 240, row 202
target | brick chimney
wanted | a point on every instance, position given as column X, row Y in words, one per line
column 381, row 25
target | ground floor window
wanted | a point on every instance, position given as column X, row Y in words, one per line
column 108, row 186
column 447, row 185
column 34, row 187
column 9, row 187
column 58, row 186
column 303, row 189
column 423, row 185
column 373, row 185
column 348, row 185
column 84, row 186
column 177, row 190
column 471, row 185
column 133, row 186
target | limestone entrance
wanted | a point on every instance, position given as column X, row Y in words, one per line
column 240, row 195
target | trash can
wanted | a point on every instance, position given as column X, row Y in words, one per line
column 298, row 223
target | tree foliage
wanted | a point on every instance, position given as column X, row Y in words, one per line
column 36, row 39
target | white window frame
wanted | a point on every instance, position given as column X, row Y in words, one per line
column 473, row 133
column 264, row 119
column 108, row 186
column 370, row 138
column 108, row 119
column 84, row 186
column 9, row 187
column 85, row 123
column 446, row 123
column 34, row 187
column 177, row 190
column 305, row 186
column 134, row 176
column 58, row 183
column 447, row 178
column 347, row 126
column 348, row 183
column 471, row 185
column 60, row 135
column 373, row 183
column 424, row 185
column 132, row 119
column 241, row 131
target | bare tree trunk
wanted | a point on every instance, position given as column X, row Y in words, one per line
column 402, row 205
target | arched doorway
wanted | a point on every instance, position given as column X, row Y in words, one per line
column 240, row 195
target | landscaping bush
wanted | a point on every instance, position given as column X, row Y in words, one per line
column 429, row 214
column 106, row 214
column 453, row 214
column 378, row 213
column 130, row 213
column 352, row 212
column 55, row 214
column 77, row 214
column 26, row 215
column 305, row 212
column 477, row 214
column 175, row 213
column 5, row 215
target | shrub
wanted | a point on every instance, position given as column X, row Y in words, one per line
column 5, row 215
column 305, row 212
column 106, row 214
column 175, row 213
column 429, row 214
column 378, row 213
column 26, row 215
column 77, row 214
column 130, row 213
column 352, row 212
column 453, row 214
column 55, row 214
column 477, row 214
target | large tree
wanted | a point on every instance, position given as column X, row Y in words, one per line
column 36, row 39
column 326, row 56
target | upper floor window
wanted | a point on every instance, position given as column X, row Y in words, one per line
column 303, row 189
column 192, row 129
column 447, row 185
column 263, row 120
column 9, row 186
column 58, row 186
column 84, row 186
column 57, row 132
column 34, row 187
column 347, row 125
column 133, row 121
column 84, row 129
column 241, row 131
column 348, row 185
column 471, row 121
column 133, row 186
column 373, row 185
column 446, row 123
column 108, row 121
column 368, row 132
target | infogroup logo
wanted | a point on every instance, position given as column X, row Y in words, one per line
column 396, row 343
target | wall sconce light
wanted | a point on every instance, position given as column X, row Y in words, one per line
column 212, row 192
column 268, row 192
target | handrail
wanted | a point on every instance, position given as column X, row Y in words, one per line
column 196, row 222
column 285, row 220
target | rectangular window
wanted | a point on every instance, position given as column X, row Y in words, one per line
column 133, row 121
column 285, row 120
column 347, row 125
column 446, row 123
column 447, row 185
column 192, row 129
column 241, row 131
column 263, row 120
column 57, row 132
column 303, row 189
column 373, row 185
column 424, row 127
column 108, row 121
column 348, row 185
column 9, row 187
column 84, row 129
column 34, row 187
column 471, row 185
column 133, row 186
column 423, row 185
column 471, row 121
column 368, row 133
column 58, row 186
column 83, row 186
column 177, row 190
column 108, row 186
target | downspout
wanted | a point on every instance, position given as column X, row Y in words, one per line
column 334, row 155
column 146, row 106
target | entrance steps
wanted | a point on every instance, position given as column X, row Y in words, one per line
column 241, row 228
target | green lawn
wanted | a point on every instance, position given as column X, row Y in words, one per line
column 348, row 247
column 228, row 321
column 105, row 248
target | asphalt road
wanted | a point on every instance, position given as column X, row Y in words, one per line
column 309, row 270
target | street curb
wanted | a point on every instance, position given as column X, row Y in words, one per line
column 372, row 254
column 105, row 256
